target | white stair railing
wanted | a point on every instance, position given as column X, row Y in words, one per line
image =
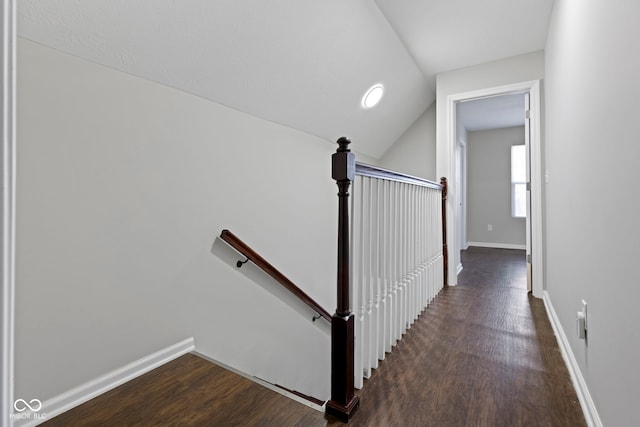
column 397, row 259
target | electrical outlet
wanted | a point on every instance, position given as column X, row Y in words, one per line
column 581, row 321
column 489, row 227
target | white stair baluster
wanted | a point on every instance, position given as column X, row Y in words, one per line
column 377, row 282
column 357, row 221
column 384, row 309
column 366, row 291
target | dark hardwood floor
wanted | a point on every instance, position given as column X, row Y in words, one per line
column 482, row 354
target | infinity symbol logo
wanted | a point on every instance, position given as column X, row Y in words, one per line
column 21, row 405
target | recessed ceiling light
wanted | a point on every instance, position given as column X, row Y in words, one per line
column 373, row 96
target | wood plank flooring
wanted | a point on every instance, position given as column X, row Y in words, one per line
column 189, row 391
column 482, row 354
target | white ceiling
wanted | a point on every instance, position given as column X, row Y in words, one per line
column 301, row 63
column 445, row 35
column 491, row 113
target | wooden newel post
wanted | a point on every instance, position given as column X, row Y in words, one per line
column 445, row 252
column 343, row 399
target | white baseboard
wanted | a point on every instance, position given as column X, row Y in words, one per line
column 586, row 402
column 497, row 245
column 78, row 395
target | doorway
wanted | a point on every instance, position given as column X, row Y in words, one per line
column 491, row 134
column 531, row 92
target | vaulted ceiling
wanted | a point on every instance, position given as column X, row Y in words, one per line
column 302, row 63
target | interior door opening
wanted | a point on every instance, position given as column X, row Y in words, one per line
column 528, row 94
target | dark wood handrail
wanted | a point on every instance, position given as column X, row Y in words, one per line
column 364, row 169
column 265, row 266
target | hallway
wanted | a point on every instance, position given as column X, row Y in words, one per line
column 482, row 354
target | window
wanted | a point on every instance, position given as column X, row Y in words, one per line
column 518, row 181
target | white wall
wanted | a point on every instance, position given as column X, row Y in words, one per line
column 414, row 153
column 592, row 87
column 7, row 205
column 123, row 186
column 516, row 69
column 489, row 188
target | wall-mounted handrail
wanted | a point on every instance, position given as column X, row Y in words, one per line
column 265, row 266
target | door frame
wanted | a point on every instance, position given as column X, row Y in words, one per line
column 461, row 195
column 533, row 88
column 7, row 182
